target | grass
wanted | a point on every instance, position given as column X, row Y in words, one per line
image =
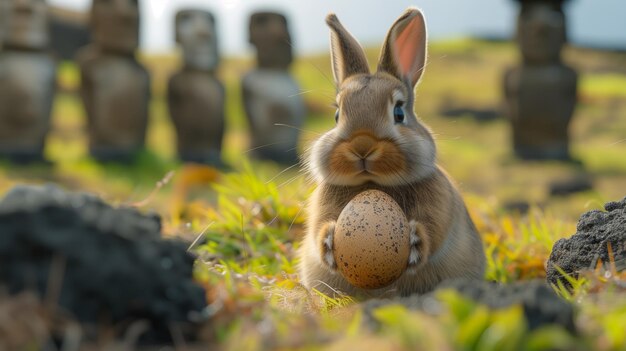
column 249, row 221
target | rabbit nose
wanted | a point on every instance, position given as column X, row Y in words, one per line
column 363, row 144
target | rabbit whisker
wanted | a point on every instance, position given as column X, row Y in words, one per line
column 296, row 128
column 302, row 92
column 295, row 217
column 289, row 181
column 281, row 173
column 263, row 146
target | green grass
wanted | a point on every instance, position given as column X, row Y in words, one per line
column 251, row 219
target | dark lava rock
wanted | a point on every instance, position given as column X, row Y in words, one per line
column 517, row 206
column 595, row 230
column 109, row 265
column 541, row 305
column 484, row 115
column 570, row 186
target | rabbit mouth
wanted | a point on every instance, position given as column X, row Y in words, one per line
column 366, row 158
column 372, row 167
column 363, row 164
column 370, row 170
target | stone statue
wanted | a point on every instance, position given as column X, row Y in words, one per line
column 195, row 96
column 541, row 93
column 115, row 87
column 271, row 96
column 69, row 32
column 27, row 80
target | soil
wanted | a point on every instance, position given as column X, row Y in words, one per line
column 595, row 232
column 104, row 265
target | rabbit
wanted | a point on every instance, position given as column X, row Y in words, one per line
column 379, row 143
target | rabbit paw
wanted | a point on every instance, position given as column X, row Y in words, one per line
column 418, row 246
column 327, row 236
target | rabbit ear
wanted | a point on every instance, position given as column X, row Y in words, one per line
column 404, row 52
column 347, row 55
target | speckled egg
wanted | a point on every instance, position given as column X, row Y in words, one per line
column 371, row 241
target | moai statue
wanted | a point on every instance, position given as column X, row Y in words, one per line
column 195, row 96
column 271, row 96
column 27, row 80
column 541, row 93
column 115, row 87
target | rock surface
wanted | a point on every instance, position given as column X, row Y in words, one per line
column 107, row 265
column 541, row 305
column 594, row 232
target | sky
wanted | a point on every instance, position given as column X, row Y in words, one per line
column 591, row 22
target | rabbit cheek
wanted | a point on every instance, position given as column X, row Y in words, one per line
column 341, row 160
column 390, row 160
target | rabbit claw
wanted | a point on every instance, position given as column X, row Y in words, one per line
column 328, row 235
column 414, row 242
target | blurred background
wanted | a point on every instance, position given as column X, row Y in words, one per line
column 592, row 23
column 461, row 96
column 200, row 115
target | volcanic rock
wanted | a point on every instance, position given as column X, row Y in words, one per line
column 107, row 265
column 595, row 232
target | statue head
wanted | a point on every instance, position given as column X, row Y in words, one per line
column 24, row 24
column 541, row 31
column 196, row 34
column 115, row 25
column 270, row 35
column 3, row 21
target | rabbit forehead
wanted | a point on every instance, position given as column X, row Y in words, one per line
column 370, row 92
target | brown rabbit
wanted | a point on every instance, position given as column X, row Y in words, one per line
column 378, row 143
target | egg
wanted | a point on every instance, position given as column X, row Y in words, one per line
column 371, row 244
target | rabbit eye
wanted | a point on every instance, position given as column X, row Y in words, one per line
column 337, row 116
column 398, row 113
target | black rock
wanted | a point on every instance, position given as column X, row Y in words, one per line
column 541, row 305
column 594, row 232
column 110, row 264
column 570, row 186
column 479, row 115
column 517, row 206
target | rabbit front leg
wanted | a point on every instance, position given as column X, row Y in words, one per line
column 326, row 237
column 420, row 244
